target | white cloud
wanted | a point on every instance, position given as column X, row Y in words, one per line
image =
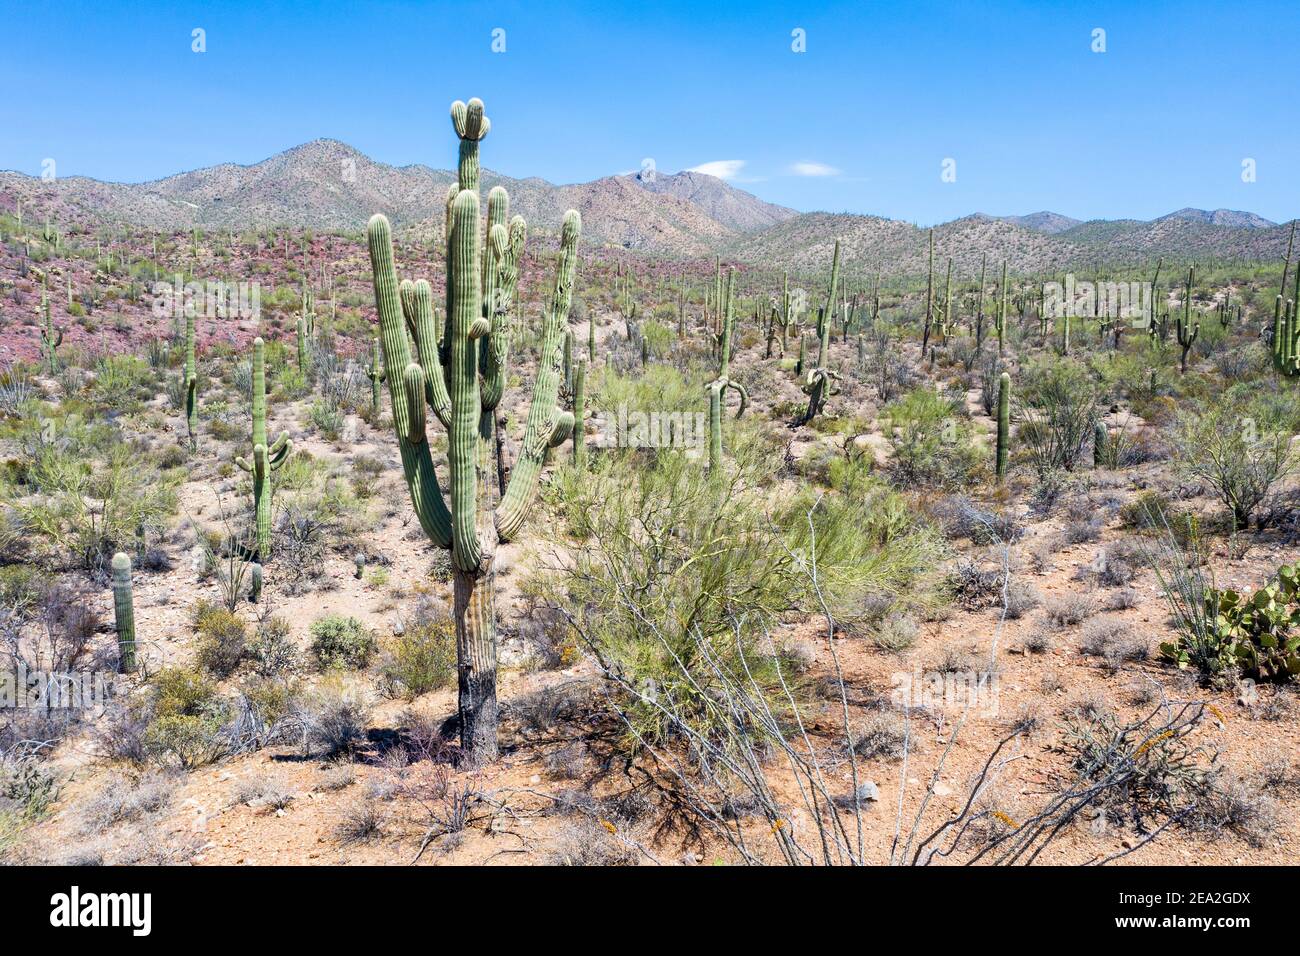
column 810, row 168
column 721, row 168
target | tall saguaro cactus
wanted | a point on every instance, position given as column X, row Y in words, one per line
column 462, row 383
column 719, row 385
column 191, row 382
column 819, row 381
column 1004, row 423
column 1186, row 331
column 579, row 416
column 266, row 458
column 124, row 612
column 375, row 372
column 306, row 328
column 51, row 338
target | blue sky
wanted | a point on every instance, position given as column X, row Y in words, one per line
column 861, row 122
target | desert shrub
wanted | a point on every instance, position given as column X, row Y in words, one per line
column 962, row 518
column 423, row 657
column 187, row 718
column 333, row 720
column 973, row 587
column 272, row 650
column 932, row 440
column 1237, row 452
column 92, row 494
column 221, row 639
column 1057, row 410
column 341, row 642
column 1069, row 610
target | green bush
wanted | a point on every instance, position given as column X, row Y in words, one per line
column 186, row 720
column 221, row 639
column 341, row 642
column 932, row 440
column 422, row 658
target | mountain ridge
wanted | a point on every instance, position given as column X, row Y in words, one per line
column 326, row 184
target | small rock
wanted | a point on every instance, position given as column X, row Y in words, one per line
column 867, row 790
column 535, row 779
column 941, row 790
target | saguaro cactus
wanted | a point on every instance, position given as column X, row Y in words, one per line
column 124, row 612
column 51, row 338
column 462, row 383
column 1004, row 423
column 306, row 328
column 1099, row 438
column 1000, row 322
column 719, row 385
column 191, row 382
column 375, row 372
column 579, row 416
column 819, row 381
column 266, row 458
column 1187, row 333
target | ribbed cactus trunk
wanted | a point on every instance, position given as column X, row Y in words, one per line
column 265, row 459
column 1099, row 439
column 124, row 612
column 191, row 382
column 1004, row 424
column 1000, row 325
column 462, row 382
column 715, row 427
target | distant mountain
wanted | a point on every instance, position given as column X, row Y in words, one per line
column 1048, row 223
column 725, row 204
column 870, row 244
column 1231, row 218
column 329, row 186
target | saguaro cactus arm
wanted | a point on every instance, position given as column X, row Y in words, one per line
column 407, row 389
column 544, row 418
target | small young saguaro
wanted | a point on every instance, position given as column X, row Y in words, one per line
column 124, row 612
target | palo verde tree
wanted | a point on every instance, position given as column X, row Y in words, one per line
column 461, row 379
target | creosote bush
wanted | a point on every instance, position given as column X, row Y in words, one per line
column 341, row 642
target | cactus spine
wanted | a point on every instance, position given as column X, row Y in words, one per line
column 124, row 612
column 375, row 372
column 191, row 382
column 1004, row 423
column 266, row 458
column 462, row 383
